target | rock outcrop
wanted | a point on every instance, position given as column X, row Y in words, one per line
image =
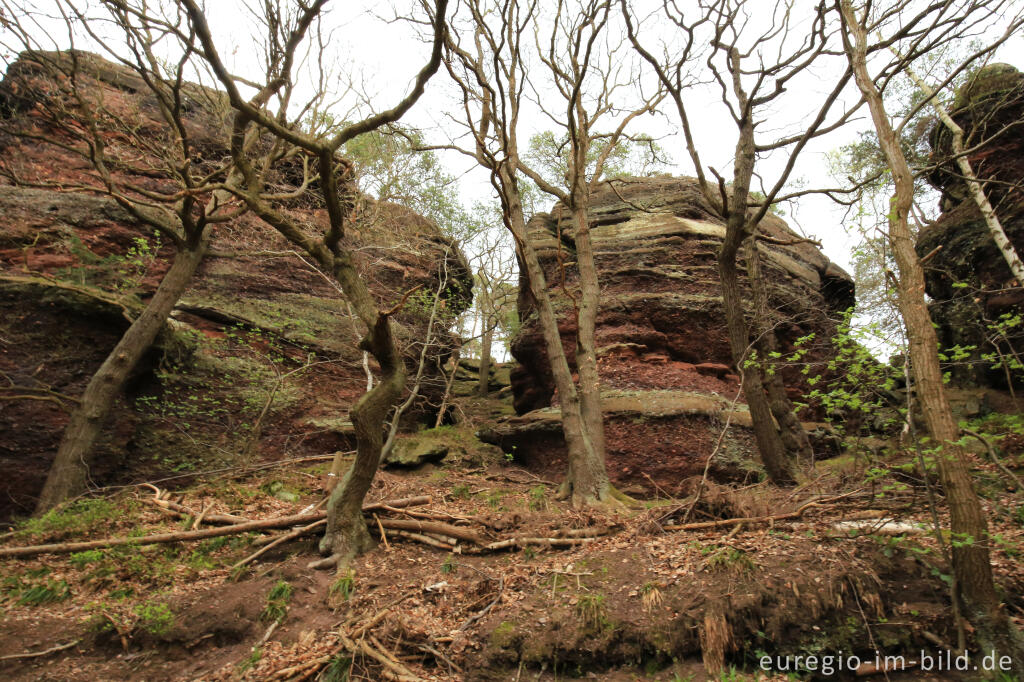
column 258, row 327
column 668, row 384
column 976, row 303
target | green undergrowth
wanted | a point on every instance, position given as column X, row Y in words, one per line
column 77, row 518
column 34, row 587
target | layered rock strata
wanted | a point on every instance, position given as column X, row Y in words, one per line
column 75, row 267
column 667, row 377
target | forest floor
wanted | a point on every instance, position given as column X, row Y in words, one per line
column 534, row 590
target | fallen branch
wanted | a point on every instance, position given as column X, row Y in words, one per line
column 433, row 515
column 392, row 669
column 436, row 527
column 184, row 536
column 37, row 654
column 535, row 542
column 390, row 505
column 760, row 519
column 419, row 537
column 188, row 536
column 291, row 535
column 182, row 511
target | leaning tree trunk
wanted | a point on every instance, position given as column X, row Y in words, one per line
column 69, row 472
column 346, row 535
column 968, row 525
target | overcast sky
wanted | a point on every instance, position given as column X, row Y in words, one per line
column 388, row 56
column 380, row 57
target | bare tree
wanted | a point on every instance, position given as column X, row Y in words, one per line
column 755, row 54
column 491, row 69
column 589, row 74
column 346, row 534
column 495, row 295
column 926, row 31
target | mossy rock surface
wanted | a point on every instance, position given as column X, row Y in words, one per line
column 416, row 451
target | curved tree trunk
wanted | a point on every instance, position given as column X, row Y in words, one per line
column 69, row 472
column 347, row 536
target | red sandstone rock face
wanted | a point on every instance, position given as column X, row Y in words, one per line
column 664, row 358
column 62, row 273
column 968, row 279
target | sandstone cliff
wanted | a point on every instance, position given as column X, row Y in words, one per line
column 664, row 358
column 75, row 266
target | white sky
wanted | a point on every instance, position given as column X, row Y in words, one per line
column 382, row 57
column 394, row 58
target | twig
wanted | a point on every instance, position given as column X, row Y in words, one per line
column 266, row 635
column 439, row 656
column 199, row 519
column 995, row 458
column 383, row 535
column 36, row 654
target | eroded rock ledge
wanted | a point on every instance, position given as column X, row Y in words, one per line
column 663, row 351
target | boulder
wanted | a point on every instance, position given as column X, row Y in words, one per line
column 413, row 451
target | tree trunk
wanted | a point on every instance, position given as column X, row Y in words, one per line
column 346, row 535
column 577, row 439
column 791, row 431
column 589, row 477
column 69, row 472
column 968, row 525
column 769, row 443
